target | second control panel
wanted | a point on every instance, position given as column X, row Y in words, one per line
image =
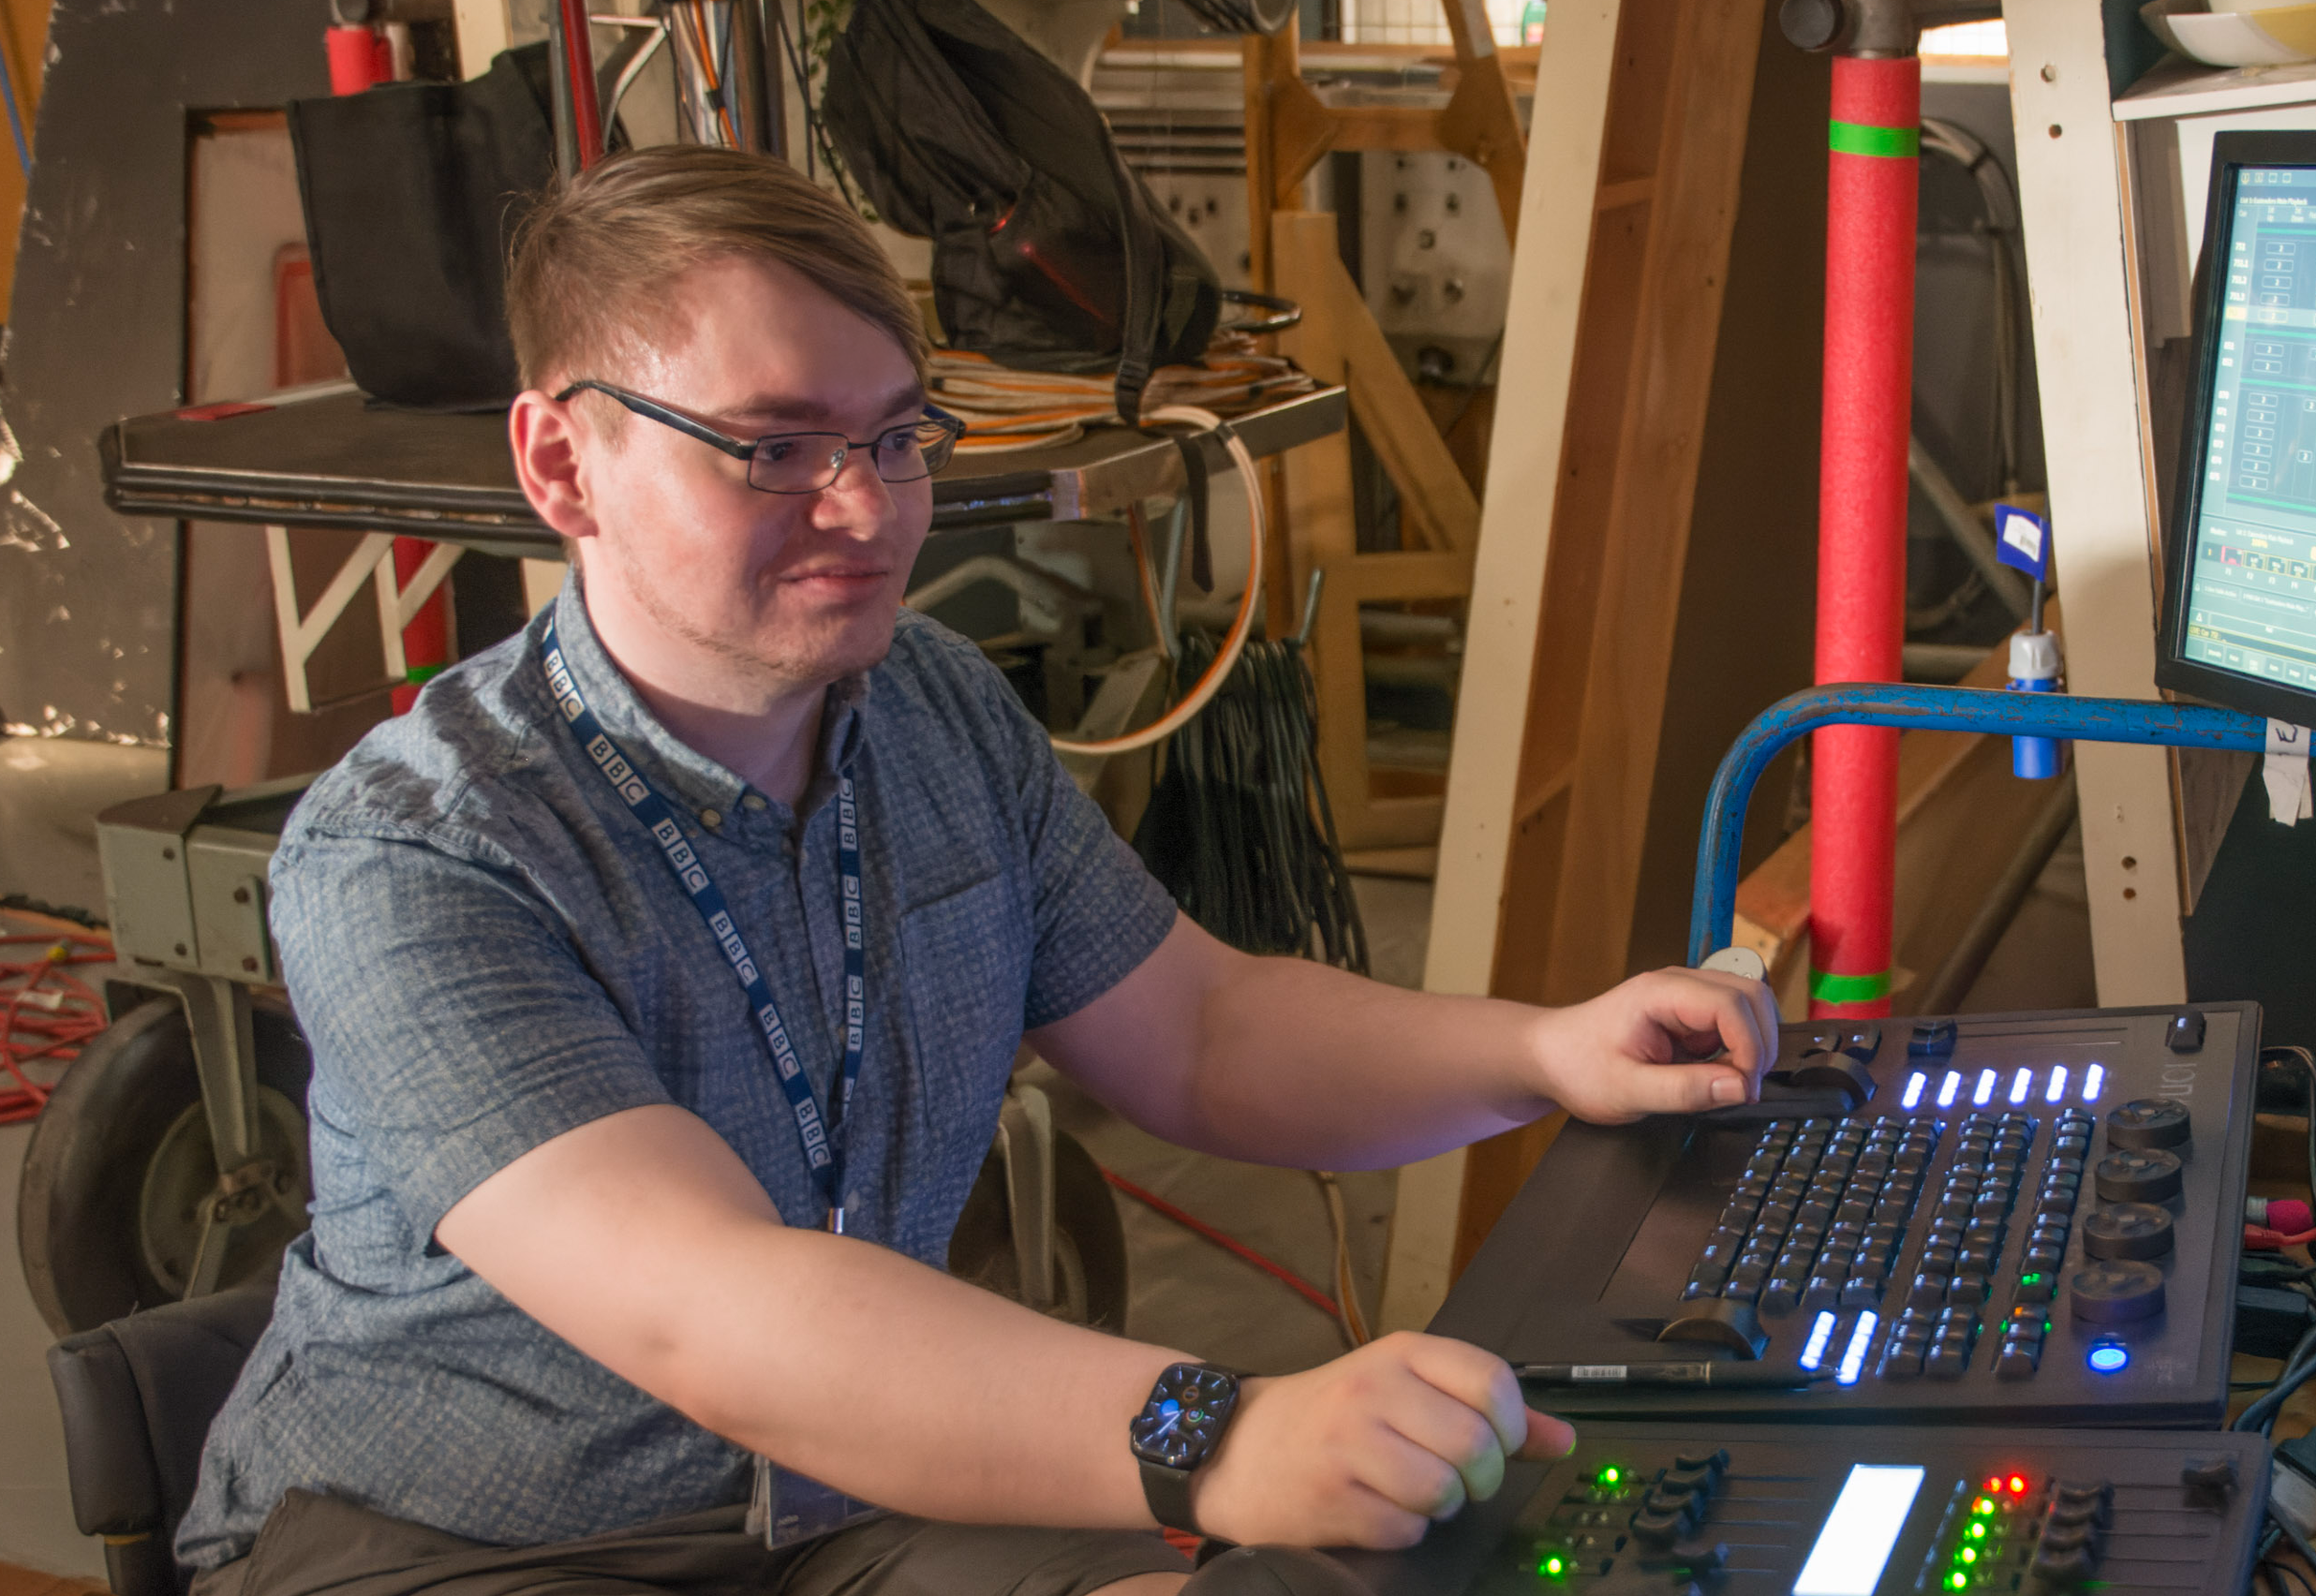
column 1996, row 1218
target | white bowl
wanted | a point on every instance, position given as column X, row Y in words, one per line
column 2235, row 38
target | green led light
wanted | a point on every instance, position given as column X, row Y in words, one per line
column 1978, row 1531
column 1553, row 1568
column 1958, row 1582
column 1968, row 1555
column 1981, row 1507
column 2031, row 1280
column 1611, row 1474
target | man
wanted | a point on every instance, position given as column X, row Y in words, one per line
column 587, row 944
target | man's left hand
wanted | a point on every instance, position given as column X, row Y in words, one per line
column 1669, row 1041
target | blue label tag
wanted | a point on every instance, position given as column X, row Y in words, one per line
column 2023, row 541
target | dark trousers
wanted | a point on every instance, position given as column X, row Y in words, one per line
column 319, row 1545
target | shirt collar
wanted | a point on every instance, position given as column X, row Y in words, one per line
column 688, row 775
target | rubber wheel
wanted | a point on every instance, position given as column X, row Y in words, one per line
column 1090, row 1241
column 120, row 1156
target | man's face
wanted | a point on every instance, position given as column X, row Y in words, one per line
column 789, row 590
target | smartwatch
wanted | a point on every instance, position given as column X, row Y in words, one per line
column 1178, row 1430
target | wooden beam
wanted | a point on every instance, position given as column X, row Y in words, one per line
column 1482, row 123
column 1339, row 341
column 1574, row 70
column 2071, row 194
column 1694, row 215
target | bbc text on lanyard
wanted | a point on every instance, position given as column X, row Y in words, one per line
column 822, row 1137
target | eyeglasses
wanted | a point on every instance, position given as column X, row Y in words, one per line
column 807, row 462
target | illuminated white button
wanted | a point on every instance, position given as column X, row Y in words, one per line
column 1820, row 1335
column 1853, row 1355
column 2058, row 1088
column 2093, row 1078
column 2021, row 1084
column 1914, row 1086
column 1986, row 1093
column 1947, row 1089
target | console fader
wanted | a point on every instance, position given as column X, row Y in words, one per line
column 2019, row 1220
column 1665, row 1510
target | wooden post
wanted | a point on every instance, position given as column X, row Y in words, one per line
column 1612, row 368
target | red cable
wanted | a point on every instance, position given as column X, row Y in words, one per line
column 1279, row 1271
column 2262, row 1239
column 56, row 1034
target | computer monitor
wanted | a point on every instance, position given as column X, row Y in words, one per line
column 2238, row 622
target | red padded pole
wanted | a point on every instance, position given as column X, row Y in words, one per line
column 1869, row 360
column 358, row 58
column 586, row 119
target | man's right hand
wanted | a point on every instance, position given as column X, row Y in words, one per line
column 1370, row 1449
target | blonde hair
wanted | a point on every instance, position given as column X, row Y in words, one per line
column 594, row 259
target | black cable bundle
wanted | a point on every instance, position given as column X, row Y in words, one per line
column 1239, row 827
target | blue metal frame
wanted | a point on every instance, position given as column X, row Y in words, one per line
column 1714, row 909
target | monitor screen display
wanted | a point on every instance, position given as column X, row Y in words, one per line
column 2244, row 566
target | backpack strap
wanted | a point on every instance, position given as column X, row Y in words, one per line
column 1195, row 477
column 1142, row 319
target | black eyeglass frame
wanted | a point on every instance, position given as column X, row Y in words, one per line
column 653, row 411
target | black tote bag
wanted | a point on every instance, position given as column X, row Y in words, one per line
column 412, row 192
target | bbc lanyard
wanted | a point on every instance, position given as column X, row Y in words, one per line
column 822, row 1138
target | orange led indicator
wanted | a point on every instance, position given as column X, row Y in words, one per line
column 1994, row 1484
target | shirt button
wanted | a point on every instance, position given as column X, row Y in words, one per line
column 753, row 800
column 711, row 819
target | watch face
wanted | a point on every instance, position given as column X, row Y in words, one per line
column 1184, row 1416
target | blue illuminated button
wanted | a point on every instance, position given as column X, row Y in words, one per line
column 2109, row 1358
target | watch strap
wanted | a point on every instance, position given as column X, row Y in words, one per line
column 1167, row 1491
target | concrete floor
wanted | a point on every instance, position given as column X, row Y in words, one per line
column 36, row 1513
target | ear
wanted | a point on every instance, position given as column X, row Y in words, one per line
column 549, row 442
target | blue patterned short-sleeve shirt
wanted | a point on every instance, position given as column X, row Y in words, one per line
column 486, row 950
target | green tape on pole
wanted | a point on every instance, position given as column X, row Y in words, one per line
column 1865, row 139
column 1825, row 989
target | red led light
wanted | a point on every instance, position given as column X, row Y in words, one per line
column 2018, row 1485
column 1994, row 1484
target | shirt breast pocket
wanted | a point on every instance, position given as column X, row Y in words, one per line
column 966, row 959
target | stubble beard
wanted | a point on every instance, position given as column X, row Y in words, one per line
column 766, row 665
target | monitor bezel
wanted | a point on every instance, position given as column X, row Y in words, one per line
column 2174, row 672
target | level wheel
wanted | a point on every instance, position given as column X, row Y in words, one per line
column 1088, row 1239
column 120, row 1167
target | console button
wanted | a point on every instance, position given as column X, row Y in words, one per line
column 2185, row 1034
column 1716, row 1460
column 2127, row 1230
column 2148, row 1122
column 1932, row 1039
column 2062, row 1566
column 2096, row 1514
column 1651, row 1529
column 2115, row 1292
column 2209, row 1479
column 1901, row 1361
column 1664, row 1500
column 1701, row 1561
column 2138, row 1176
